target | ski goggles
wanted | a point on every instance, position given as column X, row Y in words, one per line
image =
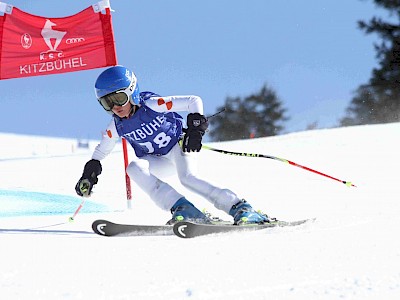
column 120, row 98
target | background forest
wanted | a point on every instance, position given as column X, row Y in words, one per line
column 376, row 101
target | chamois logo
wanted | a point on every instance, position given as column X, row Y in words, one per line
column 49, row 34
column 26, row 40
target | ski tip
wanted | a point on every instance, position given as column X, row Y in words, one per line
column 179, row 229
column 99, row 225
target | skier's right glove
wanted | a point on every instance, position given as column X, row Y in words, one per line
column 85, row 184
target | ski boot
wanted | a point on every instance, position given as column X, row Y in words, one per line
column 243, row 213
column 183, row 210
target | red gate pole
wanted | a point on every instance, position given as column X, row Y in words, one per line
column 127, row 179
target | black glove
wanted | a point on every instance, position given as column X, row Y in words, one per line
column 197, row 126
column 85, row 184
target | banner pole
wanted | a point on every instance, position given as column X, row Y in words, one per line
column 127, row 179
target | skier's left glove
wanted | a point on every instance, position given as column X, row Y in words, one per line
column 85, row 184
column 197, row 126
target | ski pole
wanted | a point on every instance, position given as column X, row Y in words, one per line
column 71, row 219
column 347, row 183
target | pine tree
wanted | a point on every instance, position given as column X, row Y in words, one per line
column 258, row 115
column 378, row 101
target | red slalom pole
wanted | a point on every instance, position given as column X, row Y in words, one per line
column 127, row 179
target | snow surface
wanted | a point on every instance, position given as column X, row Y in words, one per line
column 352, row 251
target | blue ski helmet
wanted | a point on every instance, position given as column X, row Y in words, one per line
column 116, row 80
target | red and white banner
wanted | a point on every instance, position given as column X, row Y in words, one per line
column 32, row 45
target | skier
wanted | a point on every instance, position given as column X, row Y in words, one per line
column 152, row 126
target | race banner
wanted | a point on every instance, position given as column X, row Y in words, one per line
column 32, row 45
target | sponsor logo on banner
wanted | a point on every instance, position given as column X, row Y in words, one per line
column 75, row 40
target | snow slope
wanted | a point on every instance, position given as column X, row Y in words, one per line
column 352, row 251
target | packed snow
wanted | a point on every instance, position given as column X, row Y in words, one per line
column 351, row 251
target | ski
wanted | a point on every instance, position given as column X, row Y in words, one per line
column 181, row 229
column 107, row 228
column 190, row 230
